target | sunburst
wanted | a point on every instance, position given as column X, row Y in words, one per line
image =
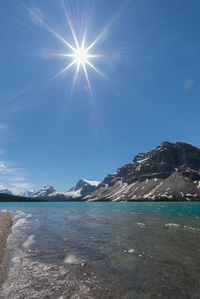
column 80, row 54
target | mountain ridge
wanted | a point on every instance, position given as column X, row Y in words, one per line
column 180, row 161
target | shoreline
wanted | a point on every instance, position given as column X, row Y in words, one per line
column 5, row 230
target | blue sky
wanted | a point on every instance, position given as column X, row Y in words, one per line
column 51, row 134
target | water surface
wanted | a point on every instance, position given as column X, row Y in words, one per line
column 103, row 250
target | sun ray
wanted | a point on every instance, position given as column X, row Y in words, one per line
column 59, row 36
column 104, row 30
column 83, row 41
column 63, row 70
column 75, row 77
column 80, row 54
column 94, row 68
column 94, row 55
column 47, row 26
column 88, row 81
column 70, row 25
column 63, row 55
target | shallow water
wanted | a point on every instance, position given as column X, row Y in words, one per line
column 103, row 250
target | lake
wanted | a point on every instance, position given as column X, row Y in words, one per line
column 102, row 250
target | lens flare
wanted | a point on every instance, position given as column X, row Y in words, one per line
column 80, row 54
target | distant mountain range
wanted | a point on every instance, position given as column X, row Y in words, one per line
column 6, row 191
column 82, row 188
column 170, row 172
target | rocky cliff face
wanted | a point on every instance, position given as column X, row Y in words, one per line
column 171, row 171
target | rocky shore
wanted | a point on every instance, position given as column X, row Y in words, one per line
column 5, row 229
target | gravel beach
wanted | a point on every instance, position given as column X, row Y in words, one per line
column 5, row 229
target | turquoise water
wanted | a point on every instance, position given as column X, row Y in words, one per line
column 102, row 250
column 191, row 209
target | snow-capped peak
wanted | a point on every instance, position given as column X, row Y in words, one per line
column 82, row 188
column 93, row 183
column 28, row 193
column 6, row 191
column 45, row 191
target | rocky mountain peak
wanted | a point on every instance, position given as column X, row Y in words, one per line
column 169, row 172
column 48, row 187
column 85, row 186
column 45, row 191
column 160, row 163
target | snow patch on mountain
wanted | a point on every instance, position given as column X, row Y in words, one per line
column 28, row 193
column 92, row 183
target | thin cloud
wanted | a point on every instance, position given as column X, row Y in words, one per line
column 13, row 178
column 5, row 168
column 18, row 187
column 188, row 84
column 18, row 179
column 2, row 186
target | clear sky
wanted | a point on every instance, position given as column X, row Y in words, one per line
column 146, row 90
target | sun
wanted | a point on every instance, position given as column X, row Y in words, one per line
column 78, row 52
column 81, row 56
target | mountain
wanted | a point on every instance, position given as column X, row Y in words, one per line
column 170, row 172
column 85, row 187
column 6, row 191
column 82, row 188
column 28, row 193
column 45, row 191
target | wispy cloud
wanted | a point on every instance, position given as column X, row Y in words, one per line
column 5, row 168
column 2, row 186
column 188, row 84
column 3, row 128
column 13, row 178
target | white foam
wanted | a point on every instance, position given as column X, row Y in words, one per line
column 172, row 225
column 4, row 211
column 19, row 214
column 20, row 222
column 140, row 224
column 131, row 250
column 30, row 241
column 29, row 216
column 71, row 259
column 190, row 228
